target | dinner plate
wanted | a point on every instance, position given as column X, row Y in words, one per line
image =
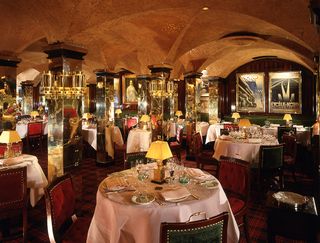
column 212, row 184
column 143, row 199
column 177, row 200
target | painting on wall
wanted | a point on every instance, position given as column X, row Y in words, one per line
column 129, row 89
column 250, row 94
column 285, row 92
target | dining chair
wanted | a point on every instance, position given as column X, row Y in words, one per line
column 14, row 201
column 212, row 229
column 3, row 149
column 270, row 166
column 285, row 130
column 132, row 157
column 34, row 135
column 176, row 146
column 231, row 127
column 62, row 224
column 203, row 157
column 290, row 153
column 234, row 177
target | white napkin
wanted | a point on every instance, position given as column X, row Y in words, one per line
column 116, row 183
column 198, row 174
column 177, row 194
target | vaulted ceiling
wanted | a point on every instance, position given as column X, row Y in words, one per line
column 132, row 34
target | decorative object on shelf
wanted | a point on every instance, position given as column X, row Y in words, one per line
column 9, row 138
column 159, row 150
column 287, row 118
column 118, row 112
column 235, row 116
column 244, row 123
column 179, row 113
column 34, row 114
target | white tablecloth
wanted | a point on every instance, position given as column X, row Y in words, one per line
column 213, row 132
column 138, row 140
column 22, row 129
column 202, row 128
column 117, row 220
column 36, row 179
column 90, row 136
column 241, row 150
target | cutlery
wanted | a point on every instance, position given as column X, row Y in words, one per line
column 122, row 190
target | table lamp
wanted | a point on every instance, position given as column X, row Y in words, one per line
column 243, row 123
column 159, row 150
column 34, row 114
column 235, row 116
column 287, row 118
column 179, row 113
column 9, row 137
column 87, row 116
column 118, row 112
column 145, row 119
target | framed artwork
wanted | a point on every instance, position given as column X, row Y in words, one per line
column 285, row 92
column 129, row 89
column 250, row 94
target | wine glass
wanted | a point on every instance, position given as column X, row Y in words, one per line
column 171, row 166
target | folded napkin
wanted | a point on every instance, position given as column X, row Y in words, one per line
column 198, row 174
column 177, row 194
column 115, row 184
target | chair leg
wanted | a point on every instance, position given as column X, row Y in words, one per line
column 246, row 230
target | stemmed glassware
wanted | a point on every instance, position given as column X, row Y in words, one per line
column 171, row 166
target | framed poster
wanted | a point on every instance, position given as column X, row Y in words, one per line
column 285, row 92
column 129, row 89
column 250, row 94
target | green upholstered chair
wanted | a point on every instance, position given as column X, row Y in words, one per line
column 213, row 229
column 271, row 165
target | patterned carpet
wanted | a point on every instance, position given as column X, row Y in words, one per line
column 87, row 177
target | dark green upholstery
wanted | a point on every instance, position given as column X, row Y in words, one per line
column 206, row 234
column 271, row 157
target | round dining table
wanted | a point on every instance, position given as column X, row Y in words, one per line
column 117, row 218
column 138, row 140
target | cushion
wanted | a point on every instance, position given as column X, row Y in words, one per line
column 77, row 231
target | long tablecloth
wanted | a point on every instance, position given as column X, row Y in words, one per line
column 138, row 140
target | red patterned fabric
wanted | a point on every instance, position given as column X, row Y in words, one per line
column 3, row 148
column 63, row 202
column 34, row 128
column 131, row 122
column 77, row 232
column 16, row 147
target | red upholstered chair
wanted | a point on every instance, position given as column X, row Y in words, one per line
column 203, row 157
column 62, row 223
column 34, row 135
column 290, row 153
column 233, row 175
column 3, row 148
column 176, row 146
column 14, row 201
column 231, row 127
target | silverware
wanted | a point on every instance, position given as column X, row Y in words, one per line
column 122, row 190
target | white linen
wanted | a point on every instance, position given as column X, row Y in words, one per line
column 117, row 220
column 202, row 128
column 241, row 150
column 213, row 132
column 198, row 174
column 175, row 194
column 36, row 180
column 138, row 140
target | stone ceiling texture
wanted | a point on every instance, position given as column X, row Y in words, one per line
column 132, row 34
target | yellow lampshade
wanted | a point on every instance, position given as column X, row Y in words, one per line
column 145, row 118
column 179, row 113
column 235, row 115
column 159, row 150
column 9, row 137
column 87, row 116
column 118, row 111
column 244, row 123
column 34, row 113
column 287, row 117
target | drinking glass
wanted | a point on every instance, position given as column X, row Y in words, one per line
column 171, row 166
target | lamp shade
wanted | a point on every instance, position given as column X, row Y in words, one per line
column 179, row 113
column 118, row 111
column 145, row 118
column 34, row 113
column 287, row 117
column 235, row 115
column 87, row 116
column 159, row 150
column 9, row 137
column 244, row 123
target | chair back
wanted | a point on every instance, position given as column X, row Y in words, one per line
column 17, row 148
column 234, row 176
column 3, row 149
column 290, row 145
column 196, row 143
column 286, row 130
column 271, row 156
column 213, row 229
column 60, row 205
column 34, row 128
column 231, row 127
column 131, row 157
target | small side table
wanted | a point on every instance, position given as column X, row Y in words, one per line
column 293, row 223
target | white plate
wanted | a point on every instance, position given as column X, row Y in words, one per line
column 210, row 184
column 177, row 200
column 145, row 200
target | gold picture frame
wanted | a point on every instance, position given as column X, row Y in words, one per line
column 129, row 89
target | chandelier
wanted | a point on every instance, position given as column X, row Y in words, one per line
column 159, row 87
column 65, row 84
